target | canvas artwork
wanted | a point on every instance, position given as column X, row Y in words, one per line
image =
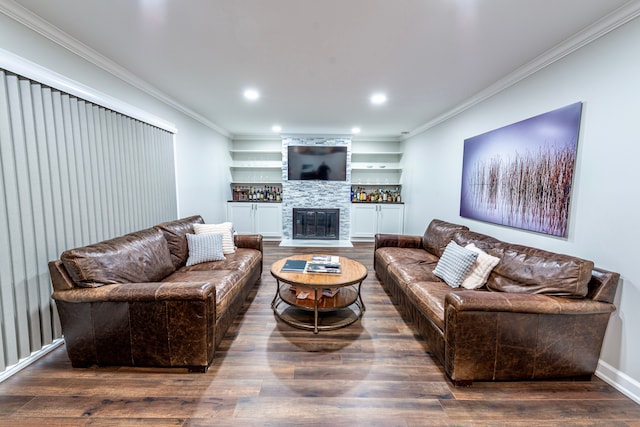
column 520, row 175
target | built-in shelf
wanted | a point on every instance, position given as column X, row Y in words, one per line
column 258, row 152
column 376, row 163
column 255, row 183
column 262, row 164
column 256, row 166
column 379, row 166
column 376, row 153
column 373, row 163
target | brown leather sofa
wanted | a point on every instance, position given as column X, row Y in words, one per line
column 540, row 314
column 132, row 301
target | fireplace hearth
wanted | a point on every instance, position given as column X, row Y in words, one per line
column 320, row 224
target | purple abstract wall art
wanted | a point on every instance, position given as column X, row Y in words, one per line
column 520, row 175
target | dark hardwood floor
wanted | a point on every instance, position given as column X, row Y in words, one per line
column 376, row 372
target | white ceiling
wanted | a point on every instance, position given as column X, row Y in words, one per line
column 316, row 62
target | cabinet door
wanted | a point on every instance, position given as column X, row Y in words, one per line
column 241, row 215
column 391, row 219
column 363, row 220
column 268, row 219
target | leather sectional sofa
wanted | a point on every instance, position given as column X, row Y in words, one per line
column 539, row 315
column 132, row 301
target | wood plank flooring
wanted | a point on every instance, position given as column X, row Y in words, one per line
column 376, row 372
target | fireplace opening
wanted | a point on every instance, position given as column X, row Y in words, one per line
column 320, row 224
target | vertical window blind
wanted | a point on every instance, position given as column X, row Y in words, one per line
column 72, row 173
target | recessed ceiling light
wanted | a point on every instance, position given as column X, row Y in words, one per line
column 251, row 94
column 355, row 130
column 378, row 98
column 276, row 128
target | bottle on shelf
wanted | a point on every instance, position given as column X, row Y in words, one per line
column 256, row 193
column 375, row 195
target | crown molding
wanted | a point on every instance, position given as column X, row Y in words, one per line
column 316, row 136
column 54, row 34
column 377, row 138
column 280, row 136
column 615, row 19
column 256, row 137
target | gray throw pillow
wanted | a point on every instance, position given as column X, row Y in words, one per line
column 454, row 264
column 204, row 248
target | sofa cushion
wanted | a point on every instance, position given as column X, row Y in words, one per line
column 429, row 297
column 204, row 248
column 393, row 255
column 454, row 264
column 480, row 270
column 438, row 235
column 531, row 270
column 225, row 228
column 407, row 274
column 242, row 259
column 175, row 233
column 228, row 283
column 137, row 257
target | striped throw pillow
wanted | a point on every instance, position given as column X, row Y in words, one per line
column 204, row 248
column 454, row 264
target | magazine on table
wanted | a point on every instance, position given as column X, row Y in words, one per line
column 324, row 264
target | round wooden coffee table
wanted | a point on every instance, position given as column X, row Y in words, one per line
column 347, row 298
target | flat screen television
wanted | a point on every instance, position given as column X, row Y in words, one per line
column 317, row 162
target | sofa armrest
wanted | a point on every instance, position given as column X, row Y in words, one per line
column 506, row 336
column 523, row 303
column 248, row 241
column 397, row 241
column 139, row 292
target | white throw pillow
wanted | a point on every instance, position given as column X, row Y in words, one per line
column 480, row 270
column 204, row 248
column 225, row 228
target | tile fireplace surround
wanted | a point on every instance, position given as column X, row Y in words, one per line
column 316, row 195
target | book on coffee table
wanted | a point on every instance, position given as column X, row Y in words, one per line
column 330, row 292
column 294, row 266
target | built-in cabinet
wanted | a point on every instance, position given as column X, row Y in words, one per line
column 368, row 219
column 256, row 165
column 261, row 218
column 259, row 162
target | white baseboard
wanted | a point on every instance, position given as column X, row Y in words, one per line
column 23, row 363
column 619, row 380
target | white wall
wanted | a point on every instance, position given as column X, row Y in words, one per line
column 603, row 224
column 201, row 153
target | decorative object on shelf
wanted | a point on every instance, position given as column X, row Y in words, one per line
column 521, row 175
